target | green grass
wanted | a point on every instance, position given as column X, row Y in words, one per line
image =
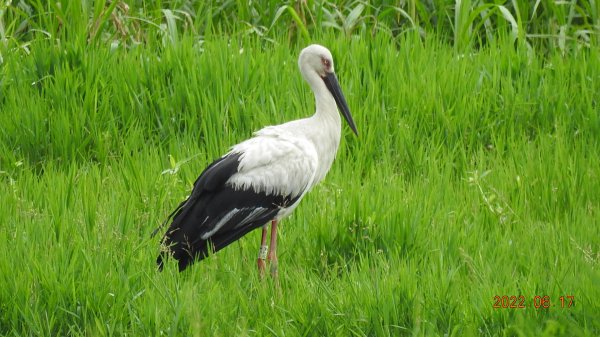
column 547, row 25
column 475, row 174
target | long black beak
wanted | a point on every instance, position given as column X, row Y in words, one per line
column 332, row 84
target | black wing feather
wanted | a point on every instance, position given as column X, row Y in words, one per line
column 210, row 201
column 215, row 174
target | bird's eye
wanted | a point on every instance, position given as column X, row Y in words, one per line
column 326, row 63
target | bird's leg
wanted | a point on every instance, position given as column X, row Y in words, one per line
column 273, row 249
column 262, row 253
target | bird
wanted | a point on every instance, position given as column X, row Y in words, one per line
column 261, row 179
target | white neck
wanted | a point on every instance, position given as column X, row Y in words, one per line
column 327, row 124
column 325, row 103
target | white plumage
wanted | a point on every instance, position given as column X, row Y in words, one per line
column 263, row 178
column 275, row 161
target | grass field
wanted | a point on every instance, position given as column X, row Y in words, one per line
column 476, row 174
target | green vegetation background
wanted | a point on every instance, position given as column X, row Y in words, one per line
column 475, row 175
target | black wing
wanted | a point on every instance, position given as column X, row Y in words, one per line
column 216, row 214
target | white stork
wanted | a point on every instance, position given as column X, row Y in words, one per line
column 263, row 178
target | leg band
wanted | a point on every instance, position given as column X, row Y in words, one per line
column 262, row 253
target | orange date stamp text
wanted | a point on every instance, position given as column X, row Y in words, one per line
column 537, row 302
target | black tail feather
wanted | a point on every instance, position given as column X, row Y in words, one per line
column 186, row 255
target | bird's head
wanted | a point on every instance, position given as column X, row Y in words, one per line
column 316, row 64
column 316, row 58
